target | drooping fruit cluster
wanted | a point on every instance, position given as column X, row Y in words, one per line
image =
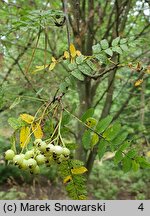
column 41, row 153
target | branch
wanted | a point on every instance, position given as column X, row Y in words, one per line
column 95, row 77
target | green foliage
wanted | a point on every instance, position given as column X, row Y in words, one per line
column 86, row 139
column 102, row 146
column 77, row 74
column 109, row 51
column 126, row 164
column 119, row 139
column 15, row 123
column 96, row 48
column 103, row 124
column 104, row 44
column 85, row 69
column 118, row 45
column 118, row 157
column 115, row 41
column 32, row 20
column 80, row 59
column 112, row 136
column 112, row 131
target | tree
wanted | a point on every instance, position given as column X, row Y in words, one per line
column 99, row 61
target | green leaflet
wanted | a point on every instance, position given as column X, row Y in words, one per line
column 111, row 132
column 87, row 114
column 103, row 124
column 77, row 74
column 135, row 166
column 117, row 49
column 72, row 66
column 118, row 140
column 132, row 153
column 104, row 44
column 15, row 123
column 124, row 47
column 91, row 65
column 123, row 40
column 115, row 41
column 80, row 59
column 96, row 48
column 102, row 58
column 125, row 145
column 86, row 139
column 85, row 69
column 102, row 146
column 109, row 51
column 118, row 157
column 126, row 164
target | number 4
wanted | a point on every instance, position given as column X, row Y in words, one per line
column 141, row 207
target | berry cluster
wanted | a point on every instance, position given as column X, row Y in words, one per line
column 41, row 153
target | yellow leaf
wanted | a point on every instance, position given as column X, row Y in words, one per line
column 95, row 139
column 79, row 170
column 78, row 53
column 53, row 59
column 67, row 179
column 52, row 65
column 39, row 68
column 24, row 136
column 138, row 82
column 37, row 130
column 72, row 50
column 27, row 118
column 66, row 54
